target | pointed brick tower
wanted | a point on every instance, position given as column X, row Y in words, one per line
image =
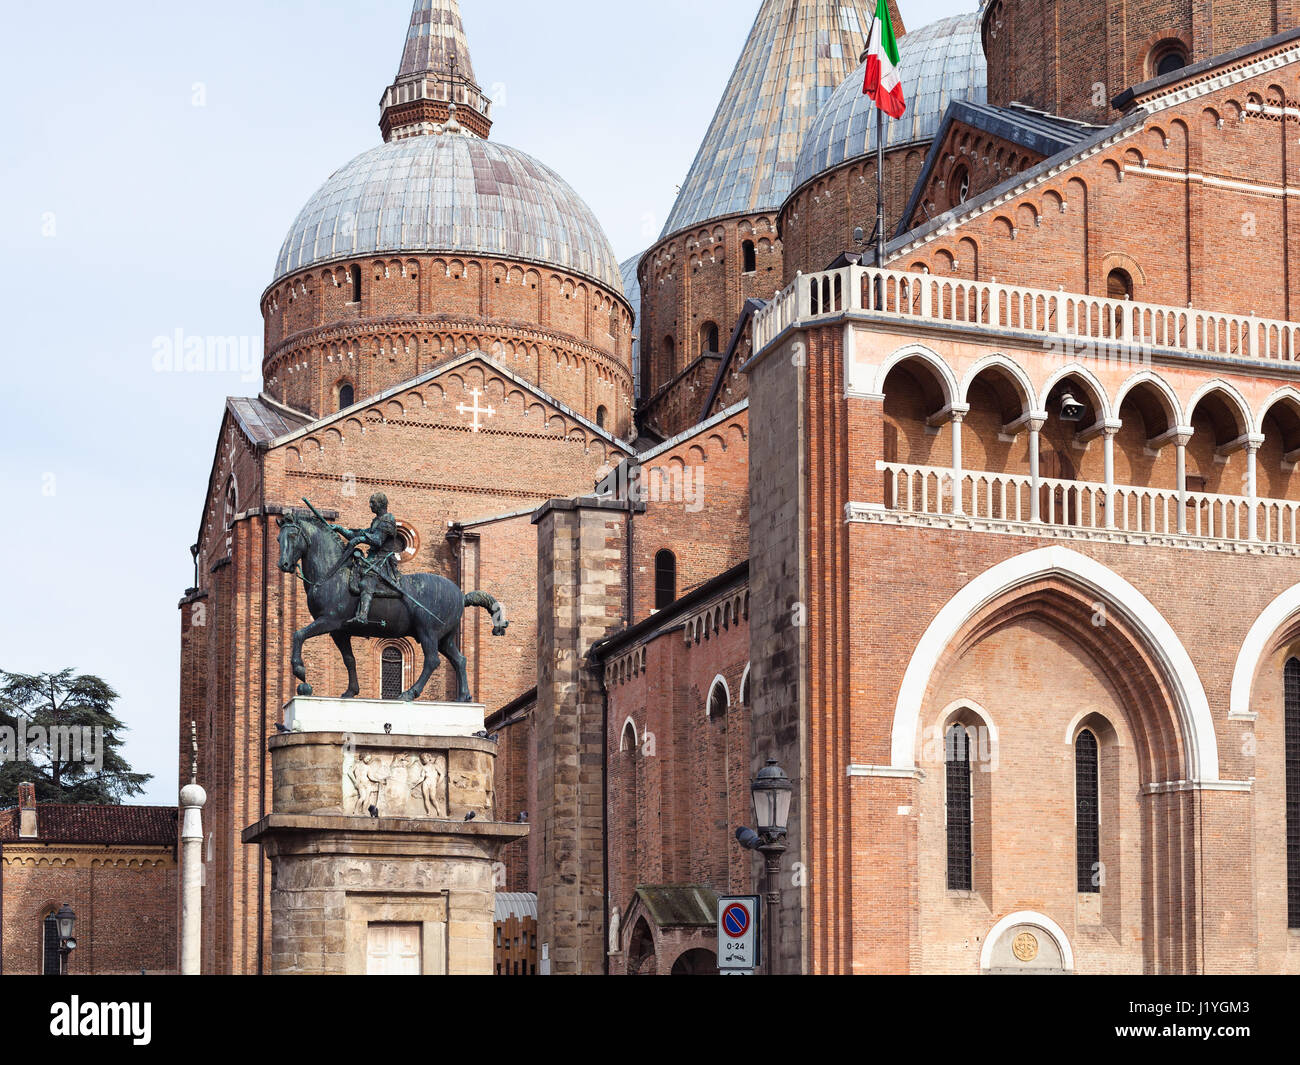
column 720, row 245
column 435, row 84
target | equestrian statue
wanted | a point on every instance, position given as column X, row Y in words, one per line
column 355, row 593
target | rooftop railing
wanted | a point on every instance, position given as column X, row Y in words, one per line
column 1063, row 317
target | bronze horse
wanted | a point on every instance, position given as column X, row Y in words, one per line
column 430, row 608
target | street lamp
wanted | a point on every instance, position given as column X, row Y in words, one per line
column 66, row 921
column 771, row 791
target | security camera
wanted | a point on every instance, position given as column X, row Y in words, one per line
column 1071, row 409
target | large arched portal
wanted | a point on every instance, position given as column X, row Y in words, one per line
column 1082, row 721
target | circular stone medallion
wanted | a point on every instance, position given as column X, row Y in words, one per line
column 1025, row 946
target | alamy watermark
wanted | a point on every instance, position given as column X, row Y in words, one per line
column 58, row 743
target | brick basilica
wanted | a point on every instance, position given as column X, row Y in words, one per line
column 995, row 549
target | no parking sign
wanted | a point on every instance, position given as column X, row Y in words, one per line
column 738, row 938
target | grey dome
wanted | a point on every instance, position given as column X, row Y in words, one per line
column 455, row 194
column 797, row 54
column 938, row 64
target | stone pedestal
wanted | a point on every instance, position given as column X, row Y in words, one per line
column 374, row 866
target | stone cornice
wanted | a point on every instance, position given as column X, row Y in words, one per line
column 421, row 323
column 34, row 854
column 871, row 514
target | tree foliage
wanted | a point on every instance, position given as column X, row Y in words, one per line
column 71, row 739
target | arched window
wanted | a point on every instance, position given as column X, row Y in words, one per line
column 601, row 415
column 957, row 778
column 347, row 395
column 744, row 688
column 1292, row 758
column 356, row 284
column 1119, row 285
column 1168, row 56
column 1087, row 813
column 391, row 685
column 959, row 186
column 665, row 579
column 670, row 355
column 49, row 945
column 719, row 700
column 708, row 337
column 750, row 256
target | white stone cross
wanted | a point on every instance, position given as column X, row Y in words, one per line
column 476, row 410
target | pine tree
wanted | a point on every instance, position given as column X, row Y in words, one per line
column 52, row 706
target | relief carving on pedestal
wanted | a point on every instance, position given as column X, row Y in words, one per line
column 396, row 784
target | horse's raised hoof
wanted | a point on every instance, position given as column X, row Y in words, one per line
column 408, row 696
column 500, row 630
column 304, row 688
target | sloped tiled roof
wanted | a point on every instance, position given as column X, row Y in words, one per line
column 938, row 63
column 87, row 823
column 798, row 53
column 1037, row 131
column 262, row 419
column 680, row 905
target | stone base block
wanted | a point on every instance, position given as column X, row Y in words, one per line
column 311, row 714
column 374, row 867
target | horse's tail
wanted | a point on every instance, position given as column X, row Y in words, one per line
column 488, row 603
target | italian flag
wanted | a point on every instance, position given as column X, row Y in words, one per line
column 882, row 83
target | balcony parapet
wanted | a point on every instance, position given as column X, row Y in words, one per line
column 931, row 496
column 1070, row 320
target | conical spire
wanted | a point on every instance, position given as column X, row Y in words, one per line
column 797, row 54
column 435, row 90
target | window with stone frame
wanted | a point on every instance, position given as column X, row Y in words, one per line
column 665, row 579
column 1087, row 813
column 1291, row 714
column 957, row 778
column 50, row 945
column 393, row 665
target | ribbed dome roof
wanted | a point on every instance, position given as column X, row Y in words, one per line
column 797, row 54
column 455, row 194
column 939, row 63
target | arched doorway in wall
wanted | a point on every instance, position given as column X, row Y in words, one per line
column 641, row 958
column 1026, row 943
column 697, row 962
column 1099, row 651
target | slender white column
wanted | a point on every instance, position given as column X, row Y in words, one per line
column 1108, row 446
column 956, row 462
column 1036, row 424
column 1253, row 443
column 1181, row 444
column 192, row 799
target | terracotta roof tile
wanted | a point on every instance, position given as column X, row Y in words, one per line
column 90, row 823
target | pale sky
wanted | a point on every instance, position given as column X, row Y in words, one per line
column 155, row 155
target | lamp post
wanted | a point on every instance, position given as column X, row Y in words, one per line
column 67, row 924
column 772, row 791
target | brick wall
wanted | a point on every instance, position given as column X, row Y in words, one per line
column 564, row 333
column 1072, row 59
column 124, row 898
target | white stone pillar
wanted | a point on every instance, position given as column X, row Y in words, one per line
column 957, row 416
column 1108, row 444
column 192, row 799
column 1180, row 443
column 1036, row 424
column 1253, row 443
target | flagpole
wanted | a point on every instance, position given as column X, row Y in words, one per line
column 880, row 189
